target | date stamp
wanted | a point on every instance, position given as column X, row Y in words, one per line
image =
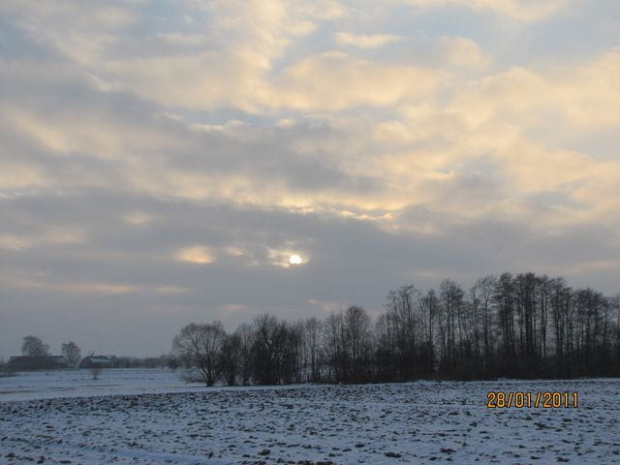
column 527, row 399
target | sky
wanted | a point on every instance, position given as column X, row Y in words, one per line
column 160, row 161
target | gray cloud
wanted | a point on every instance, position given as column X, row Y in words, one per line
column 351, row 261
column 158, row 167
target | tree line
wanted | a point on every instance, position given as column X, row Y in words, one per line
column 509, row 325
column 34, row 347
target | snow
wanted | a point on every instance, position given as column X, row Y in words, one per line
column 152, row 417
column 80, row 383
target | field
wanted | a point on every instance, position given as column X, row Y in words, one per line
column 153, row 417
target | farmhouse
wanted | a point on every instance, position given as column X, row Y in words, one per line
column 36, row 363
column 99, row 361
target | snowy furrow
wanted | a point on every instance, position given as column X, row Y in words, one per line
column 421, row 422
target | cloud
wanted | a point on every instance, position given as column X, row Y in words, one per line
column 79, row 30
column 583, row 95
column 11, row 242
column 404, row 161
column 45, row 284
column 92, row 14
column 326, row 82
column 199, row 255
column 233, row 65
column 171, row 290
column 177, row 38
column 168, row 162
column 244, row 41
column 21, row 175
column 47, row 236
column 366, row 41
column 139, row 218
column 464, row 52
column 524, row 10
column 335, row 81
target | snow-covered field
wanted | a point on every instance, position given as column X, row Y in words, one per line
column 80, row 383
column 152, row 417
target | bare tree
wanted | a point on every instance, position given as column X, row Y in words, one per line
column 312, row 346
column 246, row 335
column 429, row 306
column 403, row 317
column 72, row 354
column 95, row 369
column 560, row 310
column 357, row 344
column 615, row 304
column 200, row 346
column 231, row 357
column 526, row 288
column 33, row 347
column 544, row 300
column 385, row 348
column 266, row 352
column 483, row 293
column 333, row 343
column 505, row 301
column 276, row 351
column 451, row 297
column 292, row 352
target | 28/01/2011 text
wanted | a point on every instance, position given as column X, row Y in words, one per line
column 525, row 399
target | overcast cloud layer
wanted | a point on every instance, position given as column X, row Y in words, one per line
column 161, row 160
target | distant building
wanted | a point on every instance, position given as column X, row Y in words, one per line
column 37, row 363
column 99, row 361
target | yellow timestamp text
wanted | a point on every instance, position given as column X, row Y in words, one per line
column 525, row 399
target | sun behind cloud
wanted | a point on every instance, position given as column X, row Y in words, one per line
column 287, row 258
